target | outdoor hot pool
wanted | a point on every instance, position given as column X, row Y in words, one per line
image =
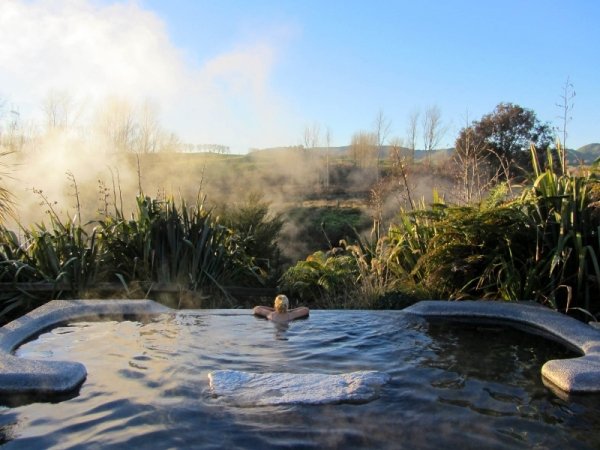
column 450, row 386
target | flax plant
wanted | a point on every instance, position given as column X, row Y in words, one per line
column 164, row 243
column 541, row 246
column 357, row 275
column 412, row 235
column 173, row 244
column 64, row 253
column 379, row 271
column 14, row 267
column 567, row 224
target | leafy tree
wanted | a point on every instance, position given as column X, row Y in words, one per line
column 504, row 137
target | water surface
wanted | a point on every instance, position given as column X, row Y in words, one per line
column 451, row 386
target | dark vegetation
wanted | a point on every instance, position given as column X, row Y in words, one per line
column 496, row 218
column 325, row 226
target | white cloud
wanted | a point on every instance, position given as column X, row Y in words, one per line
column 88, row 49
column 93, row 51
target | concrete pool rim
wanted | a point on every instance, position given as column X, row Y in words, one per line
column 20, row 376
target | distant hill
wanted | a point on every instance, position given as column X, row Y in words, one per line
column 590, row 149
column 587, row 154
column 344, row 150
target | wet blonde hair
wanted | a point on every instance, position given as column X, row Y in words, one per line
column 281, row 303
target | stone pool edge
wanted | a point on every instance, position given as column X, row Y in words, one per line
column 31, row 377
column 20, row 376
column 573, row 376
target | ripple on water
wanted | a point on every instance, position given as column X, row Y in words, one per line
column 147, row 386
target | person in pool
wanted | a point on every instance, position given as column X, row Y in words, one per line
column 281, row 312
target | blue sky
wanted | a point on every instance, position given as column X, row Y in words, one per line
column 256, row 73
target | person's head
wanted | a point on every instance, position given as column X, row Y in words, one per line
column 281, row 303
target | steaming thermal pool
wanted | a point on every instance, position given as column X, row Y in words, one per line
column 449, row 386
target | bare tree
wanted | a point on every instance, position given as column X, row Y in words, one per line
column 411, row 132
column 382, row 127
column 400, row 170
column 12, row 137
column 363, row 148
column 59, row 110
column 311, row 139
column 116, row 123
column 311, row 136
column 169, row 143
column 432, row 129
column 327, row 152
column 148, row 129
column 470, row 157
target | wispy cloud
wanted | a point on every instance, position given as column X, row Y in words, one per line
column 93, row 50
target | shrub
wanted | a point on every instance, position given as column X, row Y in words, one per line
column 324, row 227
column 322, row 279
column 258, row 233
column 173, row 244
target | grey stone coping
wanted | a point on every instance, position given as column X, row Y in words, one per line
column 20, row 376
column 575, row 375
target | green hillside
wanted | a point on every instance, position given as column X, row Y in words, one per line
column 590, row 149
column 586, row 154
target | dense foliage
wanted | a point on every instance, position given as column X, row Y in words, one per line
column 541, row 246
column 538, row 240
column 163, row 243
column 326, row 226
column 257, row 232
column 504, row 137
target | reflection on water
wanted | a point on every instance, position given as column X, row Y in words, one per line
column 147, row 386
column 280, row 331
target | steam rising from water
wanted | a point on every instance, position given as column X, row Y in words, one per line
column 93, row 51
column 74, row 71
column 68, row 68
column 53, row 162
